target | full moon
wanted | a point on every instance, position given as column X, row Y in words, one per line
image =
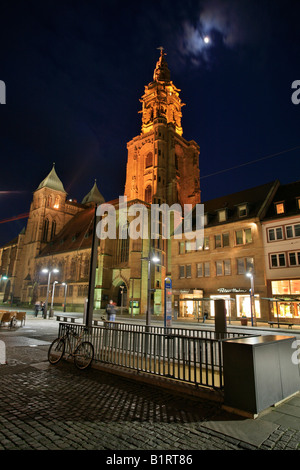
column 206, row 39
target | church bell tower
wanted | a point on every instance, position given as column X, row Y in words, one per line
column 162, row 166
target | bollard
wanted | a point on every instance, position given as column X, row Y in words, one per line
column 2, row 353
column 220, row 319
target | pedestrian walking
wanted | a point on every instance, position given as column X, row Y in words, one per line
column 37, row 308
column 111, row 311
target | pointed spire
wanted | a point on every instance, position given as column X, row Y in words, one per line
column 52, row 181
column 93, row 196
column 161, row 71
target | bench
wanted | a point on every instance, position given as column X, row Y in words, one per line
column 6, row 317
column 272, row 323
column 65, row 317
column 98, row 322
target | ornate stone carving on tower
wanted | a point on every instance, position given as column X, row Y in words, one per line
column 162, row 166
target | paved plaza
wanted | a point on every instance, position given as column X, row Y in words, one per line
column 46, row 407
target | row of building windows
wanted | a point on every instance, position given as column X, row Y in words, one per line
column 285, row 232
column 281, row 260
column 221, row 267
column 241, row 237
column 82, row 291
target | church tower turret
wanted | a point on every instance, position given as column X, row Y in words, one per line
column 162, row 167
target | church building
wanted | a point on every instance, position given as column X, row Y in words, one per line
column 162, row 167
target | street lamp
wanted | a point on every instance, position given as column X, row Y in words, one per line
column 53, row 288
column 251, row 295
column 66, row 287
column 49, row 271
column 122, row 293
column 154, row 259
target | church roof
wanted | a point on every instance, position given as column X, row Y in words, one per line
column 93, row 196
column 77, row 234
column 52, row 181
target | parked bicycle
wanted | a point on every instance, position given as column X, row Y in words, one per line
column 82, row 352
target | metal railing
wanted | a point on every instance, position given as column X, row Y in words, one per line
column 188, row 355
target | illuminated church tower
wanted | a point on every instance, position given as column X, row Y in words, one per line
column 162, row 166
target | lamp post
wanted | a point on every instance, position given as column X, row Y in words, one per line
column 251, row 295
column 49, row 271
column 53, row 288
column 154, row 259
column 66, row 288
column 122, row 293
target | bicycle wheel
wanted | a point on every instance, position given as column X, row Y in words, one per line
column 56, row 350
column 83, row 355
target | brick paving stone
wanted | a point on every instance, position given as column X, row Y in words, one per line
column 61, row 408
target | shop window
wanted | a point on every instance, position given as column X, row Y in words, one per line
column 275, row 234
column 278, row 260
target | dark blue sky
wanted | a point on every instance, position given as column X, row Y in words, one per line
column 75, row 70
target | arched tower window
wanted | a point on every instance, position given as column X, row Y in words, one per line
column 124, row 244
column 148, row 194
column 49, row 201
column 45, row 230
column 149, row 160
column 53, row 230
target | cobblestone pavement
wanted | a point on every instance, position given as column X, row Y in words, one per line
column 45, row 407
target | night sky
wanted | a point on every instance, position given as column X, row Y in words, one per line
column 75, row 71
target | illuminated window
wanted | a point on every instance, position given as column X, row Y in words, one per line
column 56, row 203
column 279, row 208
